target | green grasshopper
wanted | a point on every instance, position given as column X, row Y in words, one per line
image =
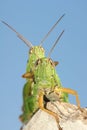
column 35, row 53
column 46, row 82
column 40, row 84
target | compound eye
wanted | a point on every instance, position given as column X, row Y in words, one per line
column 51, row 62
column 31, row 51
column 37, row 62
column 42, row 49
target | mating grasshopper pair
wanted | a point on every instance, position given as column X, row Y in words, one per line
column 41, row 79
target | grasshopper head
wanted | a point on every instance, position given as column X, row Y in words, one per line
column 46, row 62
column 45, row 74
column 44, row 68
column 36, row 52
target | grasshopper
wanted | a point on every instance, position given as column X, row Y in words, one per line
column 46, row 82
column 42, row 80
column 35, row 53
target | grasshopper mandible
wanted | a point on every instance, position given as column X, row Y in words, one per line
column 40, row 84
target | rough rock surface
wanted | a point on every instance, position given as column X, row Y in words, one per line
column 70, row 118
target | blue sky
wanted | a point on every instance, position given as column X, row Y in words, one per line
column 33, row 19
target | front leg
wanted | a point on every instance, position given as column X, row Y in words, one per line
column 41, row 106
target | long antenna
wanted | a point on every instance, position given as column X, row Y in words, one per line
column 51, row 29
column 55, row 43
column 29, row 44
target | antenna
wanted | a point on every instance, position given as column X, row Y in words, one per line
column 51, row 29
column 55, row 43
column 19, row 35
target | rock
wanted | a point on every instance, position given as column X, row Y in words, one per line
column 70, row 118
